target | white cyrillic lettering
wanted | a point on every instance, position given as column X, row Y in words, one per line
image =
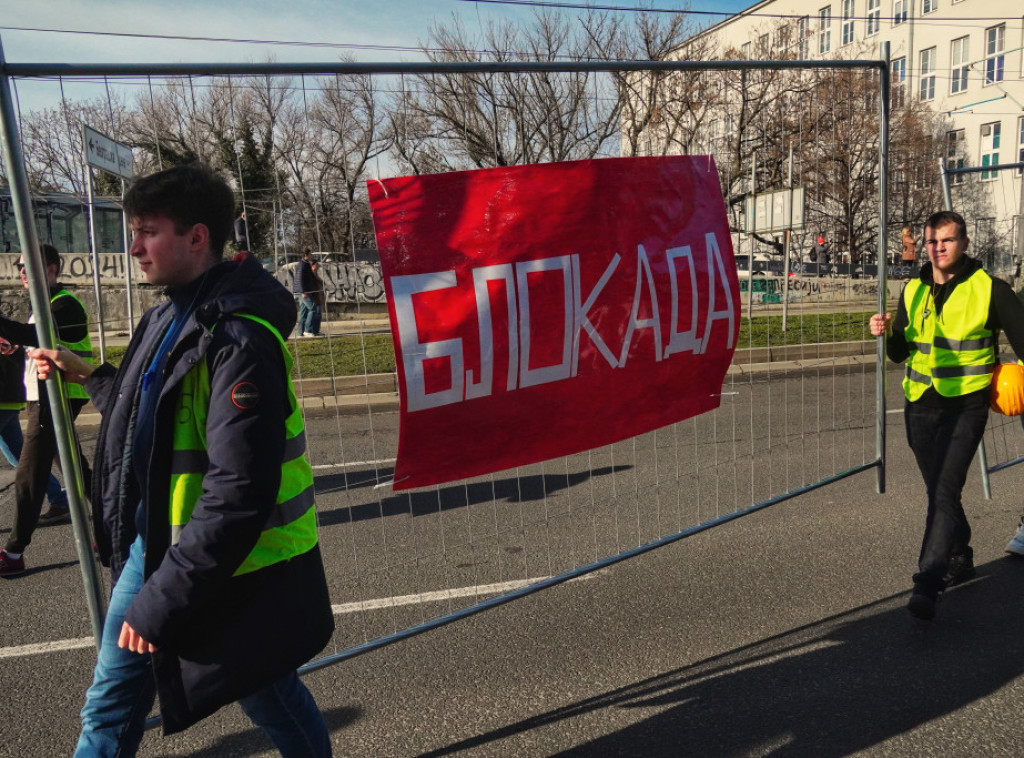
column 716, row 275
column 414, row 352
column 644, row 265
column 531, row 377
column 582, row 320
column 481, row 276
column 682, row 342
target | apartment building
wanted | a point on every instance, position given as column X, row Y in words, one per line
column 963, row 58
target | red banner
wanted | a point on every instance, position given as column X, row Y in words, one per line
column 539, row 311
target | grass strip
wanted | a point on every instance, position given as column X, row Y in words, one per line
column 354, row 355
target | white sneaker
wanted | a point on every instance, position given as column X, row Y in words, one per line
column 1016, row 545
column 308, row 334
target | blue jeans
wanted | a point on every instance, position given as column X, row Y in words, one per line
column 123, row 691
column 11, row 441
column 309, row 316
column 315, row 318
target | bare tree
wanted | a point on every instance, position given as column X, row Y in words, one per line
column 52, row 143
column 501, row 119
column 350, row 121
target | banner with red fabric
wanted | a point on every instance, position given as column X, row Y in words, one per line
column 542, row 310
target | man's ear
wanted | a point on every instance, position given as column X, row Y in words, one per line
column 199, row 238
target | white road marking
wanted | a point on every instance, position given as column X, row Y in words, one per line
column 37, row 648
column 346, row 464
column 59, row 646
column 433, row 597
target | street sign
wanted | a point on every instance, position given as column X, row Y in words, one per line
column 104, row 153
column 771, row 211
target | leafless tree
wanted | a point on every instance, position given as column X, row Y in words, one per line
column 501, row 119
column 52, row 144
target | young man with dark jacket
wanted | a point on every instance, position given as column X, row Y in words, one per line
column 947, row 329
column 203, row 491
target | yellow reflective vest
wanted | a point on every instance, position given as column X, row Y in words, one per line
column 291, row 527
column 954, row 352
column 82, row 348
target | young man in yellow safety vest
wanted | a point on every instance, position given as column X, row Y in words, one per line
column 203, row 493
column 947, row 329
column 39, row 450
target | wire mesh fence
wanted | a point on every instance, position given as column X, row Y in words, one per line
column 799, row 407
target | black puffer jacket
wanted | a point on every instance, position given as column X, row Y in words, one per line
column 219, row 637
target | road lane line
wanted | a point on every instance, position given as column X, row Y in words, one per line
column 433, row 597
column 346, row 464
column 59, row 646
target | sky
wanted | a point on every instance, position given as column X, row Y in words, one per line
column 387, row 26
column 109, row 31
column 388, row 23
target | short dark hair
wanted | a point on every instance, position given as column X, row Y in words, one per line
column 187, row 195
column 51, row 257
column 947, row 217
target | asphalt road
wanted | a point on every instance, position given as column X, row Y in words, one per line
column 782, row 633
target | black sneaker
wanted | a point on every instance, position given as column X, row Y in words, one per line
column 922, row 604
column 961, row 568
column 55, row 516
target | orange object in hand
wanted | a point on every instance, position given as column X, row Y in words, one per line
column 1007, row 392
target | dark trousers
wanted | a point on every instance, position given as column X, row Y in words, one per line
column 34, row 465
column 944, row 441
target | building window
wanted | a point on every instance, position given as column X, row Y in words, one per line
column 714, row 135
column 929, row 6
column 825, row 30
column 899, row 12
column 899, row 81
column 1020, row 143
column 990, row 134
column 994, row 58
column 956, row 144
column 803, row 31
column 960, row 64
column 745, row 50
column 874, row 16
column 847, row 21
column 927, row 69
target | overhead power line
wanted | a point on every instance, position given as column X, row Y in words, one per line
column 639, row 9
column 284, row 43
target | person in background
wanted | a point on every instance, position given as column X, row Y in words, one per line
column 319, row 297
column 40, row 444
column 909, row 242
column 12, row 402
column 203, row 492
column 947, row 329
column 242, row 233
column 302, row 287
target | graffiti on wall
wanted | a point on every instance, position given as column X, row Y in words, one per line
column 769, row 289
column 77, row 268
column 344, row 282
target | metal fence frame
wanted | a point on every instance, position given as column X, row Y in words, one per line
column 65, row 431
